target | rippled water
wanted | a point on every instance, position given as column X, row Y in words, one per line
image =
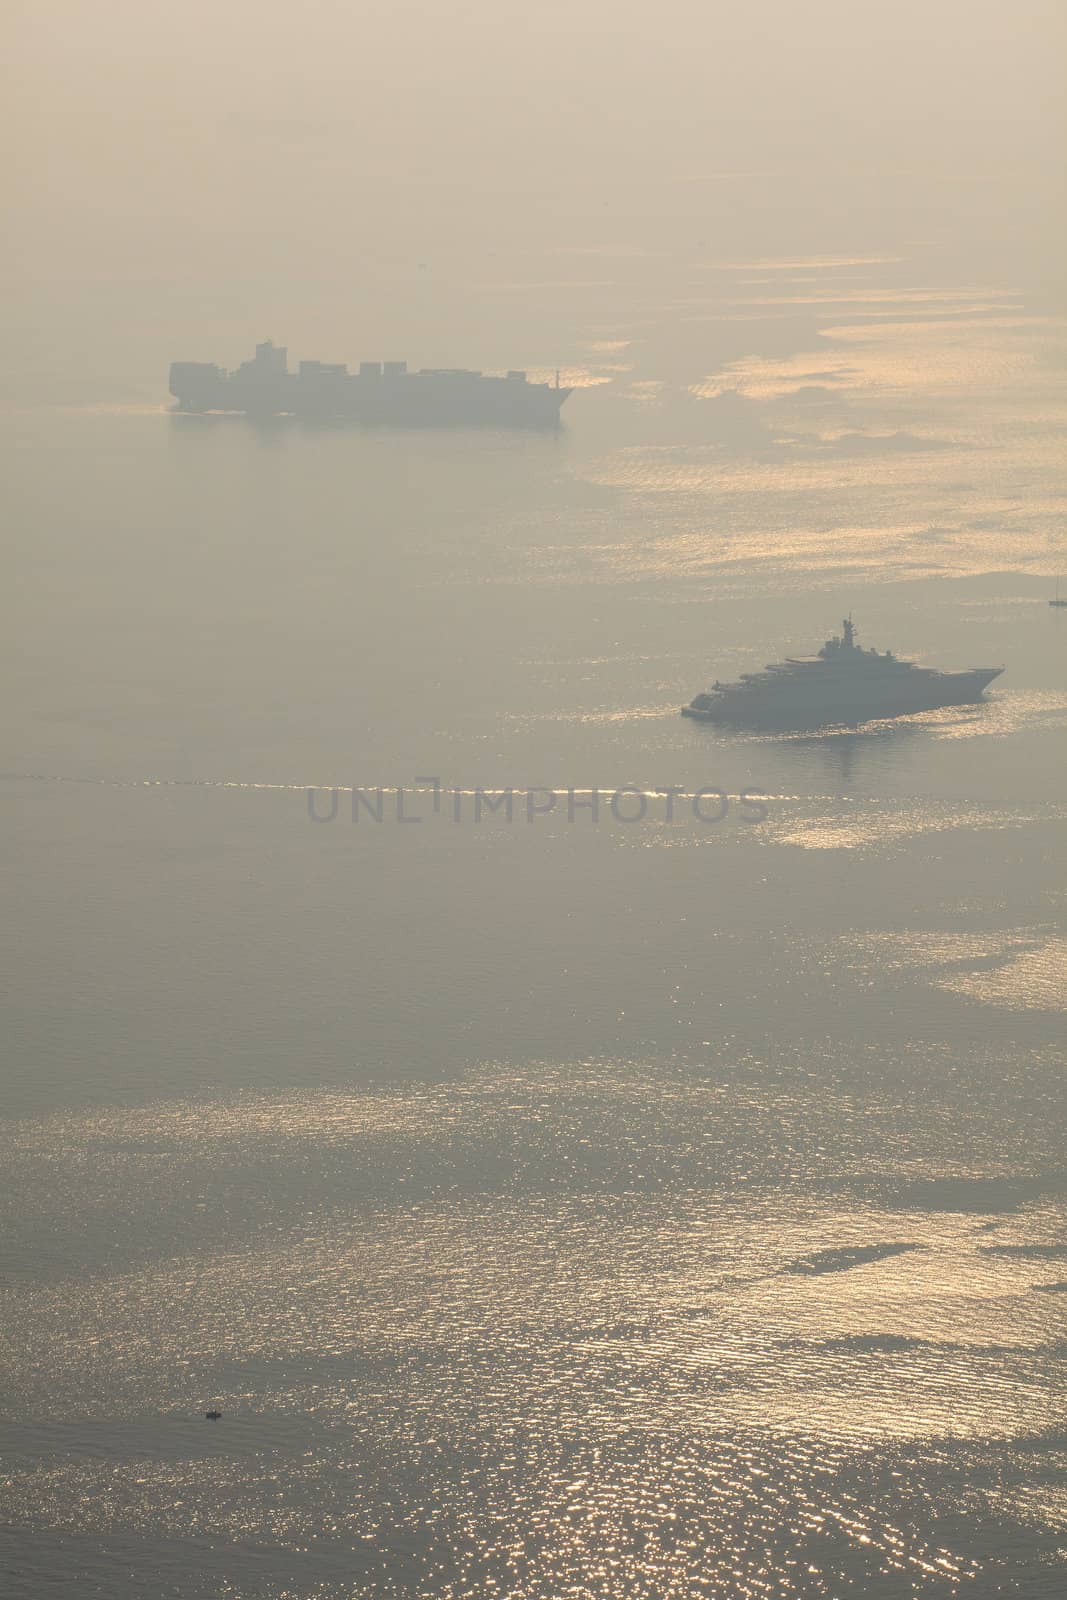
column 556, row 1209
column 773, row 1326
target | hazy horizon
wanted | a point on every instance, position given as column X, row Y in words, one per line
column 547, row 1205
column 195, row 177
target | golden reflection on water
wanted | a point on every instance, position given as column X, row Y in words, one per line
column 1034, row 979
column 977, row 352
column 772, row 1329
column 872, row 827
column 898, row 447
column 945, row 358
column 1022, row 970
column 625, row 1329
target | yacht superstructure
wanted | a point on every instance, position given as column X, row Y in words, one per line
column 842, row 683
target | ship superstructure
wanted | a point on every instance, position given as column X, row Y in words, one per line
column 842, row 684
column 380, row 392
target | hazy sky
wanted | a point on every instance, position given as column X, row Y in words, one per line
column 561, row 1207
column 242, row 143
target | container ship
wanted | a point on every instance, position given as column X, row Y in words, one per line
column 382, row 392
column 843, row 683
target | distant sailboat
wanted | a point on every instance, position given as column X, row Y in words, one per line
column 1058, row 601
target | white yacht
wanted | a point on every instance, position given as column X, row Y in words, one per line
column 842, row 684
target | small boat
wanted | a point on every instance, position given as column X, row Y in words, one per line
column 1058, row 601
column 213, row 1416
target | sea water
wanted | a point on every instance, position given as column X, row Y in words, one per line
column 584, row 1203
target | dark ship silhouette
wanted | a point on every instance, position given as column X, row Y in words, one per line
column 842, row 684
column 380, row 392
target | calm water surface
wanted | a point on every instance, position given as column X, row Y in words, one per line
column 554, row 1210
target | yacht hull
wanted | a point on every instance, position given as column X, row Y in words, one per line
column 840, row 703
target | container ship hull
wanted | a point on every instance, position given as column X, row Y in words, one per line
column 380, row 393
